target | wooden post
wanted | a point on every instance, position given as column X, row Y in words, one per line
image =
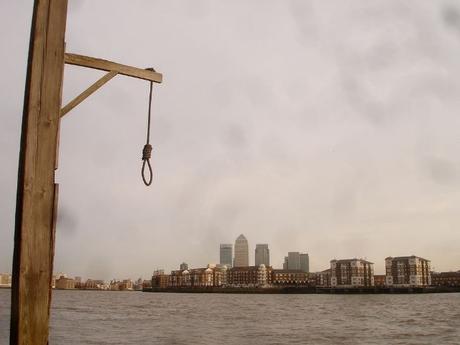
column 36, row 202
column 37, row 193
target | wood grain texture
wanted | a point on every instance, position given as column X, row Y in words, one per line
column 105, row 65
column 36, row 193
column 88, row 92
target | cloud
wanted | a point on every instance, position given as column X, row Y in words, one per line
column 451, row 17
column 442, row 171
column 315, row 126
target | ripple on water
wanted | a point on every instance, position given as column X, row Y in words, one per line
column 80, row 317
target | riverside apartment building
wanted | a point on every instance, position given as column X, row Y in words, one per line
column 407, row 271
column 352, row 273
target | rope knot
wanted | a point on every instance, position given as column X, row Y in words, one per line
column 147, row 176
column 147, row 152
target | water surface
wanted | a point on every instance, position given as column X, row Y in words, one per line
column 89, row 317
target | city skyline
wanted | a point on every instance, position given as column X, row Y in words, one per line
column 349, row 150
column 401, row 273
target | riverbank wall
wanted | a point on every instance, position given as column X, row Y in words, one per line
column 307, row 290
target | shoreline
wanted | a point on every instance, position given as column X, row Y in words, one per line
column 288, row 290
column 309, row 290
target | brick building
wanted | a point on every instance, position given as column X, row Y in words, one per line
column 210, row 276
column 445, row 279
column 65, row 283
column 126, row 284
column 250, row 276
column 379, row 280
column 160, row 279
column 405, row 271
column 323, row 278
column 352, row 273
column 289, row 278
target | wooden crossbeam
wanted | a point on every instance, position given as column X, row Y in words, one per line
column 89, row 91
column 109, row 66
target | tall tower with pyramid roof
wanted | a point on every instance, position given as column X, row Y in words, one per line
column 241, row 252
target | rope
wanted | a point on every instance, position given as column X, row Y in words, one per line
column 147, row 150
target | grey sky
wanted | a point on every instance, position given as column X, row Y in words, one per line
column 330, row 127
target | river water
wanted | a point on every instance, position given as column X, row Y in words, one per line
column 90, row 317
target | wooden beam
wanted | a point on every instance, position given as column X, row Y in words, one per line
column 89, row 91
column 105, row 65
column 36, row 194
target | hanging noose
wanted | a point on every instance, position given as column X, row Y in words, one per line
column 147, row 150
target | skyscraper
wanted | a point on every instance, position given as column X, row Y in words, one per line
column 297, row 261
column 262, row 255
column 241, row 252
column 293, row 261
column 226, row 254
column 304, row 262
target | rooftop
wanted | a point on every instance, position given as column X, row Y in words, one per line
column 350, row 260
column 405, row 257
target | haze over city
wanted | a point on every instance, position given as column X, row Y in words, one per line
column 323, row 127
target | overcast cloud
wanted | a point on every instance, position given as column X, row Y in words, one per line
column 330, row 127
